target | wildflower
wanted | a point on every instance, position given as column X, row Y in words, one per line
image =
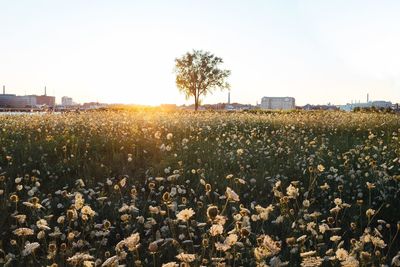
column 231, row 195
column 166, row 197
column 122, row 183
column 378, row 242
column 187, row 258
column 42, row 224
column 14, row 198
column 222, row 246
column 154, row 210
column 87, row 210
column 263, row 213
column 342, row 254
column 125, row 217
column 301, row 238
column 208, row 188
column 231, row 239
column 216, row 229
column 335, row 238
column 308, row 254
column 185, row 215
column 21, row 218
column 323, row 228
column 311, row 261
column 88, row 264
column 350, row 262
column 272, row 247
column 229, row 176
column 212, row 212
column 170, row 264
column 335, row 210
column 338, row 201
column 292, row 191
column 157, row 135
column 79, row 201
column 370, row 213
column 111, row 261
column 131, row 242
column 79, row 258
column 23, row 231
column 106, row 224
column 41, row 235
column 320, row 167
column 30, row 248
column 396, row 260
column 219, row 219
column 370, row 186
column 325, row 186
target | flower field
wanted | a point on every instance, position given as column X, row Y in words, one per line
column 143, row 188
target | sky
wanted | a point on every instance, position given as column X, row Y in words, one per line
column 123, row 51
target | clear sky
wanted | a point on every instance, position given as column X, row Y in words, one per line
column 123, row 51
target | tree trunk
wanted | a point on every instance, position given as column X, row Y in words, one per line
column 196, row 101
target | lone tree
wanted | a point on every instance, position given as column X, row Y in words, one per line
column 198, row 73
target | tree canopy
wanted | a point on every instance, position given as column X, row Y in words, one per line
column 198, row 73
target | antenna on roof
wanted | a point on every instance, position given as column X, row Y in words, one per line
column 45, row 90
column 4, row 89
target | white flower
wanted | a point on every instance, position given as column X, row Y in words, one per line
column 292, row 191
column 342, row 254
column 185, row 215
column 231, row 195
column 186, row 257
column 216, row 229
column 30, row 248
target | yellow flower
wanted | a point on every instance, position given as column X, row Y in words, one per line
column 370, row 212
column 320, row 168
column 87, row 210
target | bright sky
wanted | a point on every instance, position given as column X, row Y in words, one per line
column 123, row 51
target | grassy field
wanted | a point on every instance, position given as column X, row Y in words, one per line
column 191, row 189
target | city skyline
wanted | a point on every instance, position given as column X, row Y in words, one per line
column 123, row 52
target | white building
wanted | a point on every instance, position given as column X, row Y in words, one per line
column 66, row 101
column 278, row 103
column 370, row 104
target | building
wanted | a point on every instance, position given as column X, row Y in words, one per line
column 67, row 101
column 26, row 101
column 371, row 104
column 278, row 103
column 45, row 100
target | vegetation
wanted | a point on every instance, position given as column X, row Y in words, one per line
column 146, row 188
column 198, row 73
